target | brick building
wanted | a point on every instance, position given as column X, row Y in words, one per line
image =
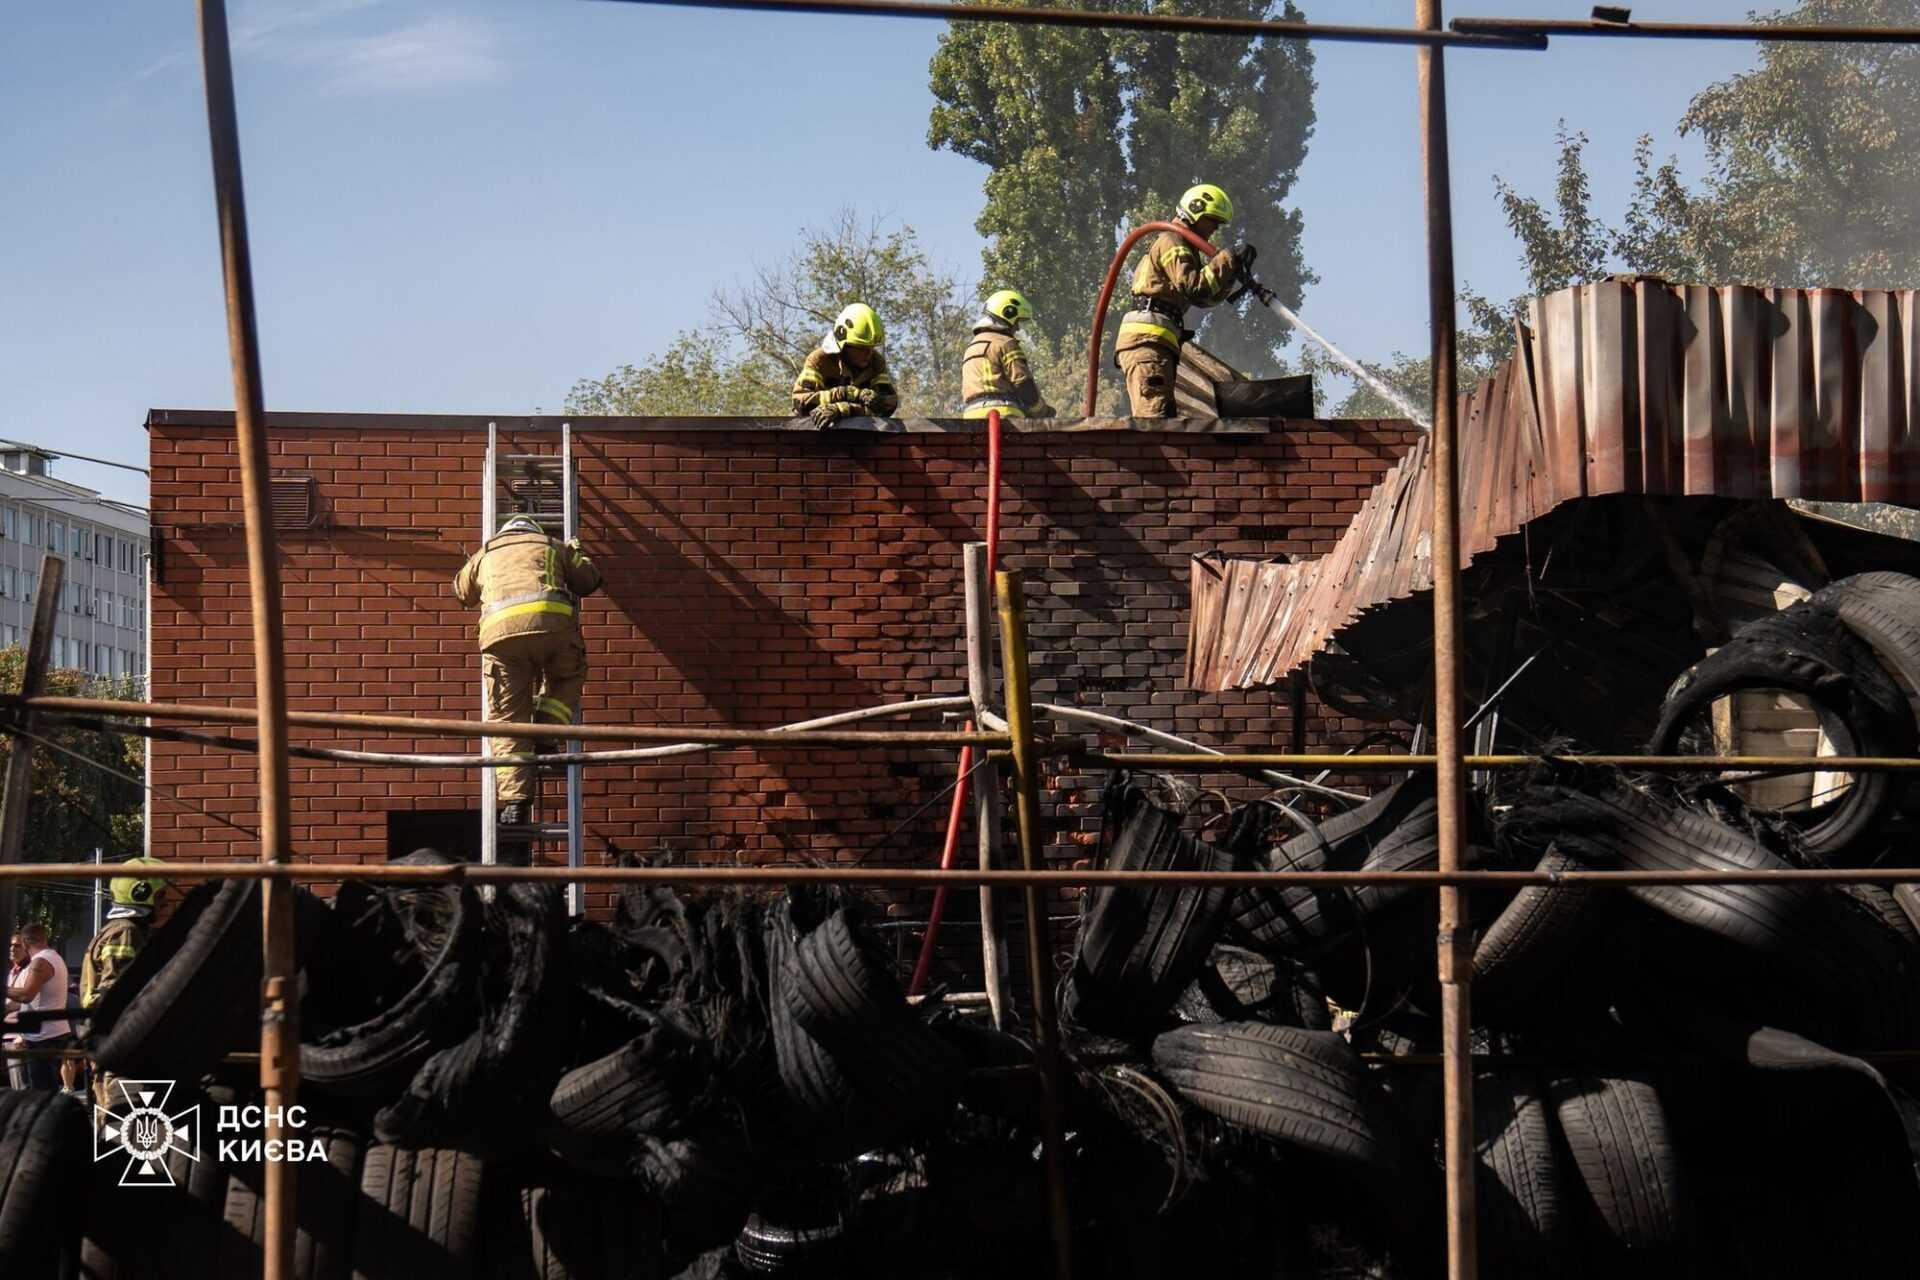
column 756, row 575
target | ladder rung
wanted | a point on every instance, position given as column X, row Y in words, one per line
column 533, row 831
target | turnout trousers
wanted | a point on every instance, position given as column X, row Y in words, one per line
column 531, row 678
column 1150, row 371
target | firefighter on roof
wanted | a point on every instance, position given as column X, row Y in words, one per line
column 528, row 586
column 846, row 376
column 994, row 373
column 1172, row 277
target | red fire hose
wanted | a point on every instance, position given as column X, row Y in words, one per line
column 1193, row 238
column 966, row 753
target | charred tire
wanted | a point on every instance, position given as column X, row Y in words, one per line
column 1809, row 650
column 378, row 1056
column 43, row 1170
column 1300, row 921
column 1303, row 1088
column 837, row 982
column 419, row 1214
column 839, row 995
column 510, row 1060
column 1140, row 947
column 121, row 1227
column 326, row 1197
column 1533, row 936
column 572, row 1230
column 637, row 1089
column 1522, row 1200
column 1627, row 1174
column 189, row 991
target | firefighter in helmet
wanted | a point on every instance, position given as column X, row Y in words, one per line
column 129, row 922
column 846, row 376
column 1171, row 277
column 533, row 658
column 994, row 373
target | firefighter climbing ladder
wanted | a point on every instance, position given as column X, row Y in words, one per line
column 543, row 486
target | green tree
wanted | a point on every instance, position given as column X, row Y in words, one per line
column 75, row 807
column 1086, row 133
column 761, row 330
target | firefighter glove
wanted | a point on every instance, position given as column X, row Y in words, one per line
column 1243, row 257
column 826, row 415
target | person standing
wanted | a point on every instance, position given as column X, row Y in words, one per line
column 42, row 986
column 16, row 965
column 532, row 655
column 1170, row 278
column 129, row 922
column 846, row 376
column 994, row 373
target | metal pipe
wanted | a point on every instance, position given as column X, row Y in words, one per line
column 19, row 786
column 1135, row 728
column 429, row 728
column 279, row 1011
column 921, row 877
column 1154, row 22
column 639, row 755
column 1455, row 934
column 1258, row 760
column 934, row 917
column 1026, row 791
column 1781, row 34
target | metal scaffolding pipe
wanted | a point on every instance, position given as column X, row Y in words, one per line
column 1173, row 24
column 1783, row 33
column 279, row 1009
column 916, row 877
column 1456, row 933
column 429, row 728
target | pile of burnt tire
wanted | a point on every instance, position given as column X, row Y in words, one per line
column 704, row 1086
column 1671, row 1080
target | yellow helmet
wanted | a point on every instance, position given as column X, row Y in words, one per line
column 137, row 891
column 857, row 325
column 1010, row 305
column 1206, row 201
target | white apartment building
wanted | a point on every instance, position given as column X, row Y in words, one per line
column 102, row 623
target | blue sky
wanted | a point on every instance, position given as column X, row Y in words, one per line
column 465, row 207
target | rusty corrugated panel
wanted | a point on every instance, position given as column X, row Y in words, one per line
column 1615, row 387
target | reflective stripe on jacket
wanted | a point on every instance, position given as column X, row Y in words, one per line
column 524, row 583
column 827, row 379
column 995, row 367
column 1172, row 274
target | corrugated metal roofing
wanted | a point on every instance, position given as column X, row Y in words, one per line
column 1624, row 386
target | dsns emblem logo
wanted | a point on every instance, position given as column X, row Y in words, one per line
column 140, row 1128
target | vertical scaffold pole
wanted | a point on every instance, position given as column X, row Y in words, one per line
column 1026, row 790
column 279, row 1010
column 33, row 677
column 1455, row 936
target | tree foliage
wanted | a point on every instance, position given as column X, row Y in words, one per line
column 1812, row 179
column 74, row 807
column 761, row 329
column 1086, row 133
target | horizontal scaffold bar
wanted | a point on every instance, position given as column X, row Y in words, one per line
column 1231, row 761
column 428, row 728
column 1168, row 23
column 911, row 877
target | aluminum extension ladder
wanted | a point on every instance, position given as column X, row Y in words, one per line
column 543, row 485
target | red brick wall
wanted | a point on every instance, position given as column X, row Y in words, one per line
column 754, row 577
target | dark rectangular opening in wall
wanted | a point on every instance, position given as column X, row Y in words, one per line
column 455, row 832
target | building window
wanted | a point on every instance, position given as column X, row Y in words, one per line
column 9, row 583
column 33, row 528
column 56, row 537
column 102, row 609
column 31, row 578
column 6, row 522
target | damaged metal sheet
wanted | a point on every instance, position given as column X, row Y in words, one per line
column 1630, row 385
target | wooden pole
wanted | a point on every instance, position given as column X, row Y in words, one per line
column 1455, row 933
column 1026, row 790
column 33, row 677
column 279, row 1007
column 994, row 960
